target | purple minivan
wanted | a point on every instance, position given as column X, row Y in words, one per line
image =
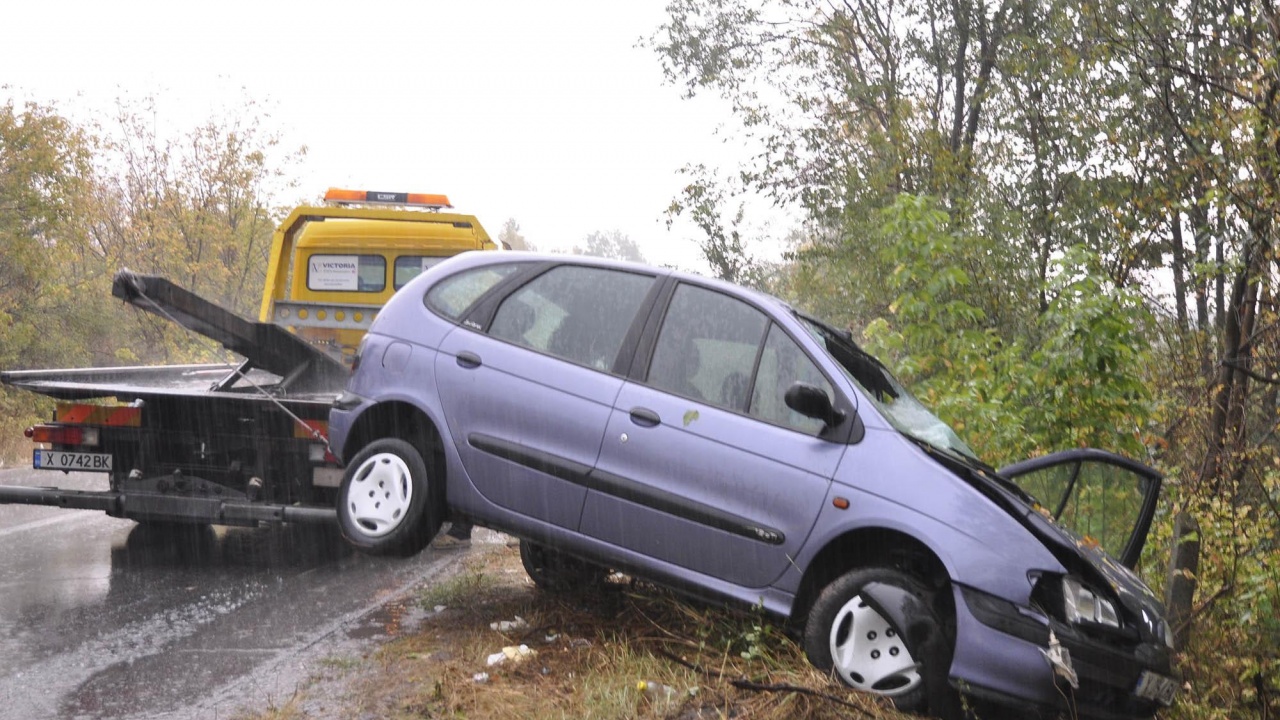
column 716, row 440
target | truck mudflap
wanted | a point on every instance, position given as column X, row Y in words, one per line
column 153, row 506
column 302, row 366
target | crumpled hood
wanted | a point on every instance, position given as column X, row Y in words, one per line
column 1132, row 592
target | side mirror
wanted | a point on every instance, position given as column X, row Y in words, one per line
column 812, row 401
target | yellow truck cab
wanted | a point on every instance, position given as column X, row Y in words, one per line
column 332, row 267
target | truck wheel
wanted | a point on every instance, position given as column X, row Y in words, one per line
column 554, row 571
column 873, row 628
column 384, row 502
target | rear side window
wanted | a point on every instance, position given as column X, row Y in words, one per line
column 347, row 273
column 452, row 296
column 580, row 314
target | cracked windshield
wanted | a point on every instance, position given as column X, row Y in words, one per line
column 674, row 359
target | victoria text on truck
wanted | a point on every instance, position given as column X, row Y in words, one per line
column 241, row 444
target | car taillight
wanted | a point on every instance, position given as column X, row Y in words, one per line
column 63, row 434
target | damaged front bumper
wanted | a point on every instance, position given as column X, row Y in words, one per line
column 1017, row 656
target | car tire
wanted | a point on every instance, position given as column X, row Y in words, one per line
column 556, row 572
column 900, row 653
column 384, row 502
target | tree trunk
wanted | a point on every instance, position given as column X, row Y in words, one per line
column 1180, row 590
column 1179, row 272
column 1225, row 431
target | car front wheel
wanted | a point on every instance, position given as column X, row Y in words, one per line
column 873, row 628
column 384, row 503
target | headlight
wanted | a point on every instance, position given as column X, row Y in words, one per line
column 1084, row 605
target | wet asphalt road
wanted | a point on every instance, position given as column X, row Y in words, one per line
column 104, row 618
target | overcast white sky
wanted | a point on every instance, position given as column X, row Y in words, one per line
column 545, row 112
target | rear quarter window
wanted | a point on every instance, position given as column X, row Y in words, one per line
column 452, row 296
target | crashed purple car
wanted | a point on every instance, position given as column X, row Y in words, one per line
column 714, row 439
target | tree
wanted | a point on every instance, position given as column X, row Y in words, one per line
column 613, row 244
column 510, row 236
column 199, row 208
column 45, row 182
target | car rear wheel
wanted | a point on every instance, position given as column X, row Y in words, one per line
column 384, row 502
column 873, row 628
column 554, row 571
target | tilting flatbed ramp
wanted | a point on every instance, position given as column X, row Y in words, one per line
column 264, row 345
column 257, row 402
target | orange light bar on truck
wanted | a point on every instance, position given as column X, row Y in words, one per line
column 344, row 197
column 112, row 415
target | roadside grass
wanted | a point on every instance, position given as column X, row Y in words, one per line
column 287, row 710
column 590, row 650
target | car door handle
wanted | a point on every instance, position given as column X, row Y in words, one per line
column 468, row 360
column 644, row 417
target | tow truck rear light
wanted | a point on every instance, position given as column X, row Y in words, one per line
column 339, row 196
column 63, row 435
column 307, row 430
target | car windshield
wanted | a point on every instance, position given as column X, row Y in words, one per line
column 894, row 402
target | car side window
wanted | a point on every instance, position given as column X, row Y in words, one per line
column 577, row 313
column 452, row 296
column 707, row 347
column 782, row 364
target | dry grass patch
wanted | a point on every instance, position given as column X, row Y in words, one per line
column 590, row 650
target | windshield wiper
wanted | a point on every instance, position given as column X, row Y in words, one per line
column 976, row 466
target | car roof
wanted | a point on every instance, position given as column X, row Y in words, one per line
column 476, row 259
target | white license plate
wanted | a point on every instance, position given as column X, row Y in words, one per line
column 1156, row 687
column 59, row 460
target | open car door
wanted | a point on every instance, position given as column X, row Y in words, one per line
column 1097, row 494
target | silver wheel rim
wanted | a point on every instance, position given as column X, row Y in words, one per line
column 379, row 494
column 868, row 653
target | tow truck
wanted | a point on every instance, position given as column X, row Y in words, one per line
column 242, row 443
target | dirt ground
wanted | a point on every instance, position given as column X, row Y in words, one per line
column 488, row 644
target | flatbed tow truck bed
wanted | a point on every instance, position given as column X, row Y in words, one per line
column 214, row 443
